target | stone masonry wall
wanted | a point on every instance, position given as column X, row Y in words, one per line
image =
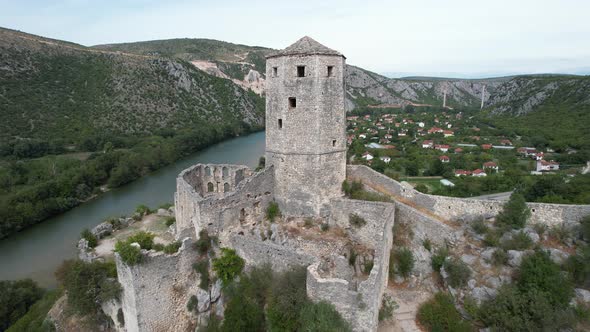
column 306, row 143
column 464, row 209
column 156, row 291
column 257, row 253
column 242, row 204
column 358, row 305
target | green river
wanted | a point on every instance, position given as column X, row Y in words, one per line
column 37, row 251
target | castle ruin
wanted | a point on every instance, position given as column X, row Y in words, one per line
column 305, row 168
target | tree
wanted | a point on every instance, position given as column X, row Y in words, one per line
column 16, row 297
column 515, row 213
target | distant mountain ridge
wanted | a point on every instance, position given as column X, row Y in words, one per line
column 245, row 65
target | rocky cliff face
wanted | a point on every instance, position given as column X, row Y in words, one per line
column 370, row 88
column 522, row 95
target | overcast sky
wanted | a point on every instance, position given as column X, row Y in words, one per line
column 467, row 38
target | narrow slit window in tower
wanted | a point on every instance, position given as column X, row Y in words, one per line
column 330, row 71
column 275, row 71
column 280, row 123
column 300, row 71
column 292, row 102
column 333, row 142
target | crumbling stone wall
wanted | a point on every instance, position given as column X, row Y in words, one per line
column 464, row 209
column 242, row 204
column 156, row 291
column 257, row 253
column 358, row 303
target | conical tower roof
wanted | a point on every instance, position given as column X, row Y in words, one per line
column 306, row 46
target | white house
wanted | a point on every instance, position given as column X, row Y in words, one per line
column 367, row 156
column 385, row 159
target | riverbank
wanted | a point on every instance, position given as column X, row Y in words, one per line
column 36, row 251
column 38, row 189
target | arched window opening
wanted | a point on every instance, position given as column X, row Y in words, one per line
column 210, row 187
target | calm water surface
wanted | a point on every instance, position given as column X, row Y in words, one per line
column 36, row 252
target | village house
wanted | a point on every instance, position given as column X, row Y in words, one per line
column 458, row 150
column 462, row 172
column 428, row 144
column 367, row 156
column 486, row 146
column 546, row 166
column 479, row 172
column 527, row 152
column 442, row 147
column 385, row 159
column 435, row 130
column 444, row 159
column 490, row 165
column 448, row 133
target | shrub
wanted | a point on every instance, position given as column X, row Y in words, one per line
column 322, row 317
column 287, row 298
column 202, row 268
column 192, row 304
column 213, row 324
column 352, row 257
column 88, row 236
column 203, row 244
column 458, row 272
column 356, row 220
column 560, row 233
column 144, row 239
column 438, row 259
column 540, row 274
column 479, row 226
column 578, row 267
column 499, row 257
column 35, row 318
column 402, row 234
column 172, row 247
column 515, row 212
column 158, row 247
column 88, row 285
column 421, row 187
column 515, row 310
column 169, row 221
column 492, row 239
column 324, row 227
column 16, row 297
column 368, row 266
column 272, row 211
column 128, row 253
column 165, row 206
column 308, row 223
column 439, row 314
column 142, row 210
column 427, row 244
column 540, row 229
column 404, row 262
column 228, row 266
column 518, row 241
column 388, row 306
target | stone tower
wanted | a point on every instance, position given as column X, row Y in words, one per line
column 306, row 126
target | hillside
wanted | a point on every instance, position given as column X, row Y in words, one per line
column 245, row 65
column 58, row 90
column 75, row 121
